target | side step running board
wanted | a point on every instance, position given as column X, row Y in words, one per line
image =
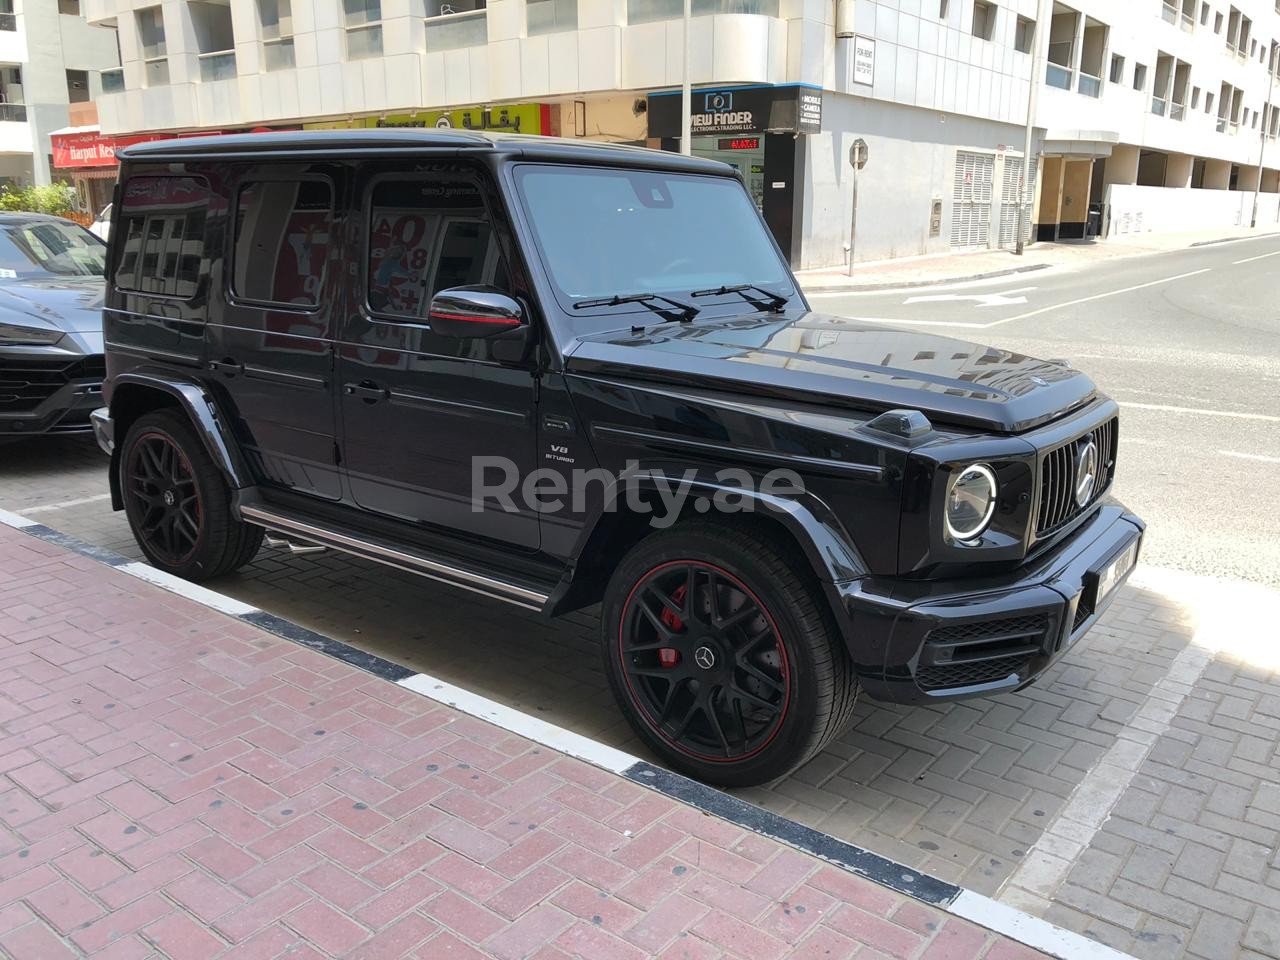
column 395, row 556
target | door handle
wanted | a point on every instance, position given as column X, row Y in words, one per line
column 366, row 390
column 227, row 366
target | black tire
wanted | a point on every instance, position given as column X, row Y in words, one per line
column 779, row 675
column 177, row 502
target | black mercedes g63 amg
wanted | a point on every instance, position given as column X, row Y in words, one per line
column 560, row 374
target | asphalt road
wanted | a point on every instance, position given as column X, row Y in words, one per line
column 1189, row 343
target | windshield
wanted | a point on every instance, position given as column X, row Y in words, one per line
column 50, row 248
column 616, row 232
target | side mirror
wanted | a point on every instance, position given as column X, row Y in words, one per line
column 475, row 311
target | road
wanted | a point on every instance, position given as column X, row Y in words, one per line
column 1189, row 343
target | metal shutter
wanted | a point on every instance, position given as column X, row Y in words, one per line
column 971, row 206
column 1009, row 200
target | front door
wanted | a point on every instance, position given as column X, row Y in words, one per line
column 270, row 339
column 422, row 413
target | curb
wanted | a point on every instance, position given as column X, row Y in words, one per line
column 908, row 285
column 987, row 912
column 1210, row 243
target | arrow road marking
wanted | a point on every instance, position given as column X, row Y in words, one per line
column 1004, row 299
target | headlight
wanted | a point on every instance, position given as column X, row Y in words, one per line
column 13, row 335
column 971, row 500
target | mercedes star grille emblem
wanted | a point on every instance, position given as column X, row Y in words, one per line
column 1086, row 471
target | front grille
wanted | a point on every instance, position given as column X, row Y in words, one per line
column 1058, row 505
column 1082, row 614
column 1006, row 628
column 942, row 676
column 27, row 382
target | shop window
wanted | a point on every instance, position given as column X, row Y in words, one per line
column 275, row 18
column 282, row 240
column 162, row 221
column 426, row 236
column 363, row 21
column 984, row 19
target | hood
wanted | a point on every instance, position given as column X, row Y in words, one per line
column 69, row 304
column 834, row 360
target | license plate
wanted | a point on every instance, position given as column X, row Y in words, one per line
column 1115, row 572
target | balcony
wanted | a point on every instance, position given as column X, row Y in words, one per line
column 156, row 72
column 1159, row 106
column 647, row 11
column 453, row 31
column 278, row 54
column 1221, row 126
column 1089, row 86
column 1177, row 111
column 113, row 80
column 13, row 113
column 552, row 16
column 218, row 65
column 1056, row 76
column 364, row 42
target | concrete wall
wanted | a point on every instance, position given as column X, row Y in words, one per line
column 1152, row 209
column 912, row 157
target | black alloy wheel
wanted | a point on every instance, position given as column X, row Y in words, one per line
column 162, row 488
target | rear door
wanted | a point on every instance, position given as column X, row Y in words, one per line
column 420, row 410
column 270, row 335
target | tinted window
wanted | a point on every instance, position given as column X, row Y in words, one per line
column 426, row 235
column 282, row 241
column 606, row 232
column 161, row 223
column 44, row 248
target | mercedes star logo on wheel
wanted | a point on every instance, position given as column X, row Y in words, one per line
column 704, row 657
column 1086, row 471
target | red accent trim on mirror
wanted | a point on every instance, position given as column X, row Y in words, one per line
column 472, row 318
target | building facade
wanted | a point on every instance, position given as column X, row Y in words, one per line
column 1153, row 114
column 51, row 63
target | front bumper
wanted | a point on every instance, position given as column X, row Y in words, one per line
column 925, row 641
column 47, row 392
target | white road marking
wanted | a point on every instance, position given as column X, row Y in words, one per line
column 1248, row 456
column 185, row 588
column 15, row 521
column 1201, row 411
column 518, row 722
column 1274, row 253
column 68, row 503
column 1032, row 931
column 1005, row 299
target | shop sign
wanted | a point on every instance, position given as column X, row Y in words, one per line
column 90, row 149
column 789, row 108
column 532, row 118
column 864, row 60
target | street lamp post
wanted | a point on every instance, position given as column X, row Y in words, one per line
column 1266, row 123
column 686, row 92
column 1043, row 12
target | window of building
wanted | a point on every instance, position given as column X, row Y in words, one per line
column 1208, row 101
column 1117, row 68
column 984, row 19
column 1140, row 76
column 282, row 237
column 452, row 24
column 1025, row 35
column 155, row 57
column 69, row 7
column 162, row 221
column 275, row 17
column 77, row 86
column 1217, row 23
column 1204, row 13
column 1195, row 98
column 363, row 21
column 552, row 16
column 426, row 235
column 215, row 39
column 944, row 9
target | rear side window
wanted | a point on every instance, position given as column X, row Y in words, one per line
column 426, row 235
column 282, row 241
column 162, row 223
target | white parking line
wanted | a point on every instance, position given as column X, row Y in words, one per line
column 1201, row 411
column 1274, row 253
column 1248, row 456
column 67, row 503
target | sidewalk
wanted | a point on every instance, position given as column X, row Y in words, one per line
column 987, row 264
column 179, row 783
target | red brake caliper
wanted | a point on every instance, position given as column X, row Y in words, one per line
column 669, row 657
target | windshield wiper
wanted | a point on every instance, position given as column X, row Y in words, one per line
column 776, row 300
column 686, row 311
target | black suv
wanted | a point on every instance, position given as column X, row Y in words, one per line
column 559, row 373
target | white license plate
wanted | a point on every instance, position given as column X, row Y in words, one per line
column 1115, row 573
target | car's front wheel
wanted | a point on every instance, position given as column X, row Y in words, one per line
column 722, row 654
column 177, row 503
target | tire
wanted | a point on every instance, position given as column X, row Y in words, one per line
column 738, row 698
column 177, row 502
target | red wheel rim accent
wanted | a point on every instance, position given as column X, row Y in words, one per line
column 745, row 676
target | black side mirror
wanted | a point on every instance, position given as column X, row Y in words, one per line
column 474, row 311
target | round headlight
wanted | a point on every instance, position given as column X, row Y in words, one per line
column 971, row 500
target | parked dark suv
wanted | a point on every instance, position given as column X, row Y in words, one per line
column 558, row 374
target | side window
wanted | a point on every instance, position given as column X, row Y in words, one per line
column 162, row 220
column 282, row 241
column 426, row 235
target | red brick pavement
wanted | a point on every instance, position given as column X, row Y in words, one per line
column 174, row 782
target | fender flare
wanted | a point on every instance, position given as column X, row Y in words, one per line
column 826, row 545
column 201, row 410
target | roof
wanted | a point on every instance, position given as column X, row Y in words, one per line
column 399, row 140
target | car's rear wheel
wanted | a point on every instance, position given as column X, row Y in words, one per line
column 177, row 503
column 722, row 655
